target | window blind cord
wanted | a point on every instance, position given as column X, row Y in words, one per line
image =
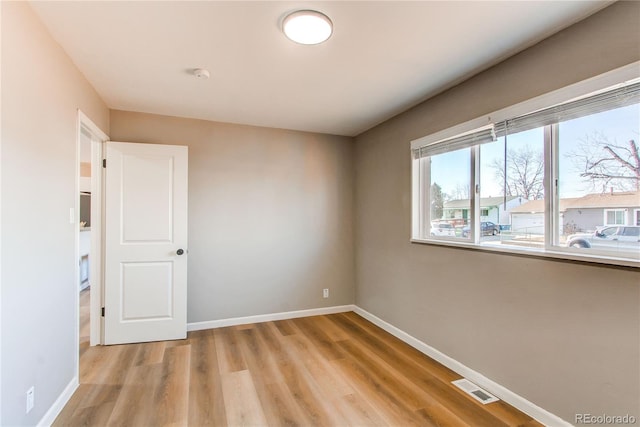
column 504, row 176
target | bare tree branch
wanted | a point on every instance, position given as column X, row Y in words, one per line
column 621, row 160
column 524, row 171
column 603, row 163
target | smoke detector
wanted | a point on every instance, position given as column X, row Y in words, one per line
column 201, row 73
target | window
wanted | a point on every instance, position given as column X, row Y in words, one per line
column 547, row 181
column 631, row 232
column 447, row 175
column 614, row 217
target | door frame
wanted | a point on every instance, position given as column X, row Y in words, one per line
column 96, row 272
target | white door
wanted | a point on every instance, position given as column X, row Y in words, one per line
column 145, row 243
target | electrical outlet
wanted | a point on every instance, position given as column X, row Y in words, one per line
column 325, row 293
column 31, row 398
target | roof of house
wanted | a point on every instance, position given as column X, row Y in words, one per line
column 537, row 206
column 485, row 202
column 626, row 199
column 608, row 200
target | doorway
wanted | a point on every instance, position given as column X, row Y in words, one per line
column 90, row 141
column 84, row 238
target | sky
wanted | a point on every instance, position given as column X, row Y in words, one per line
column 452, row 170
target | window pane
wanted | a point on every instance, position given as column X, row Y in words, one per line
column 511, row 190
column 614, row 217
column 598, row 186
column 611, row 218
column 632, row 231
column 449, row 196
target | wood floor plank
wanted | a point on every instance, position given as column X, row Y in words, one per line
column 393, row 412
column 206, row 402
column 323, row 343
column 358, row 411
column 229, row 355
column 359, row 326
column 406, row 394
column 334, row 370
column 331, row 384
column 257, row 357
column 241, row 402
column 93, row 416
column 84, row 401
column 150, row 353
column 333, row 331
column 285, row 327
column 278, row 406
column 171, row 399
column 402, row 387
column 442, row 419
column 299, row 382
column 84, row 324
column 107, row 364
column 134, row 405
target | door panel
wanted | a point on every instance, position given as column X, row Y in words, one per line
column 147, row 219
column 145, row 225
column 147, row 289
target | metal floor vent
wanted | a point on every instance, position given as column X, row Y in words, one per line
column 474, row 391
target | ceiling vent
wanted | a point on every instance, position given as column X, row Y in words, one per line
column 474, row 391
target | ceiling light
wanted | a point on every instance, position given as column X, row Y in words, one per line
column 307, row 27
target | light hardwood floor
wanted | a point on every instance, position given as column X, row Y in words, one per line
column 334, row 370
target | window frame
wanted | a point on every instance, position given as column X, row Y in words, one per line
column 551, row 248
column 624, row 217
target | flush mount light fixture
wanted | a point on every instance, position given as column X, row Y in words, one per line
column 307, row 27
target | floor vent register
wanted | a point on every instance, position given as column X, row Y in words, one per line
column 474, row 391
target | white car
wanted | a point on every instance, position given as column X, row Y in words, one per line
column 443, row 229
column 616, row 237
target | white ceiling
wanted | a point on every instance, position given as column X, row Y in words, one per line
column 383, row 57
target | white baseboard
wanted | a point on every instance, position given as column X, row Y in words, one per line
column 513, row 399
column 58, row 405
column 197, row 326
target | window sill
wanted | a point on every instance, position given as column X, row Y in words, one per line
column 536, row 253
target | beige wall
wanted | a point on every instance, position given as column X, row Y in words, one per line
column 41, row 92
column 566, row 336
column 270, row 214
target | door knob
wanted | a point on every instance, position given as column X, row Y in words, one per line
column 180, row 251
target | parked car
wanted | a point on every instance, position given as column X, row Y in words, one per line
column 487, row 228
column 443, row 229
column 613, row 237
